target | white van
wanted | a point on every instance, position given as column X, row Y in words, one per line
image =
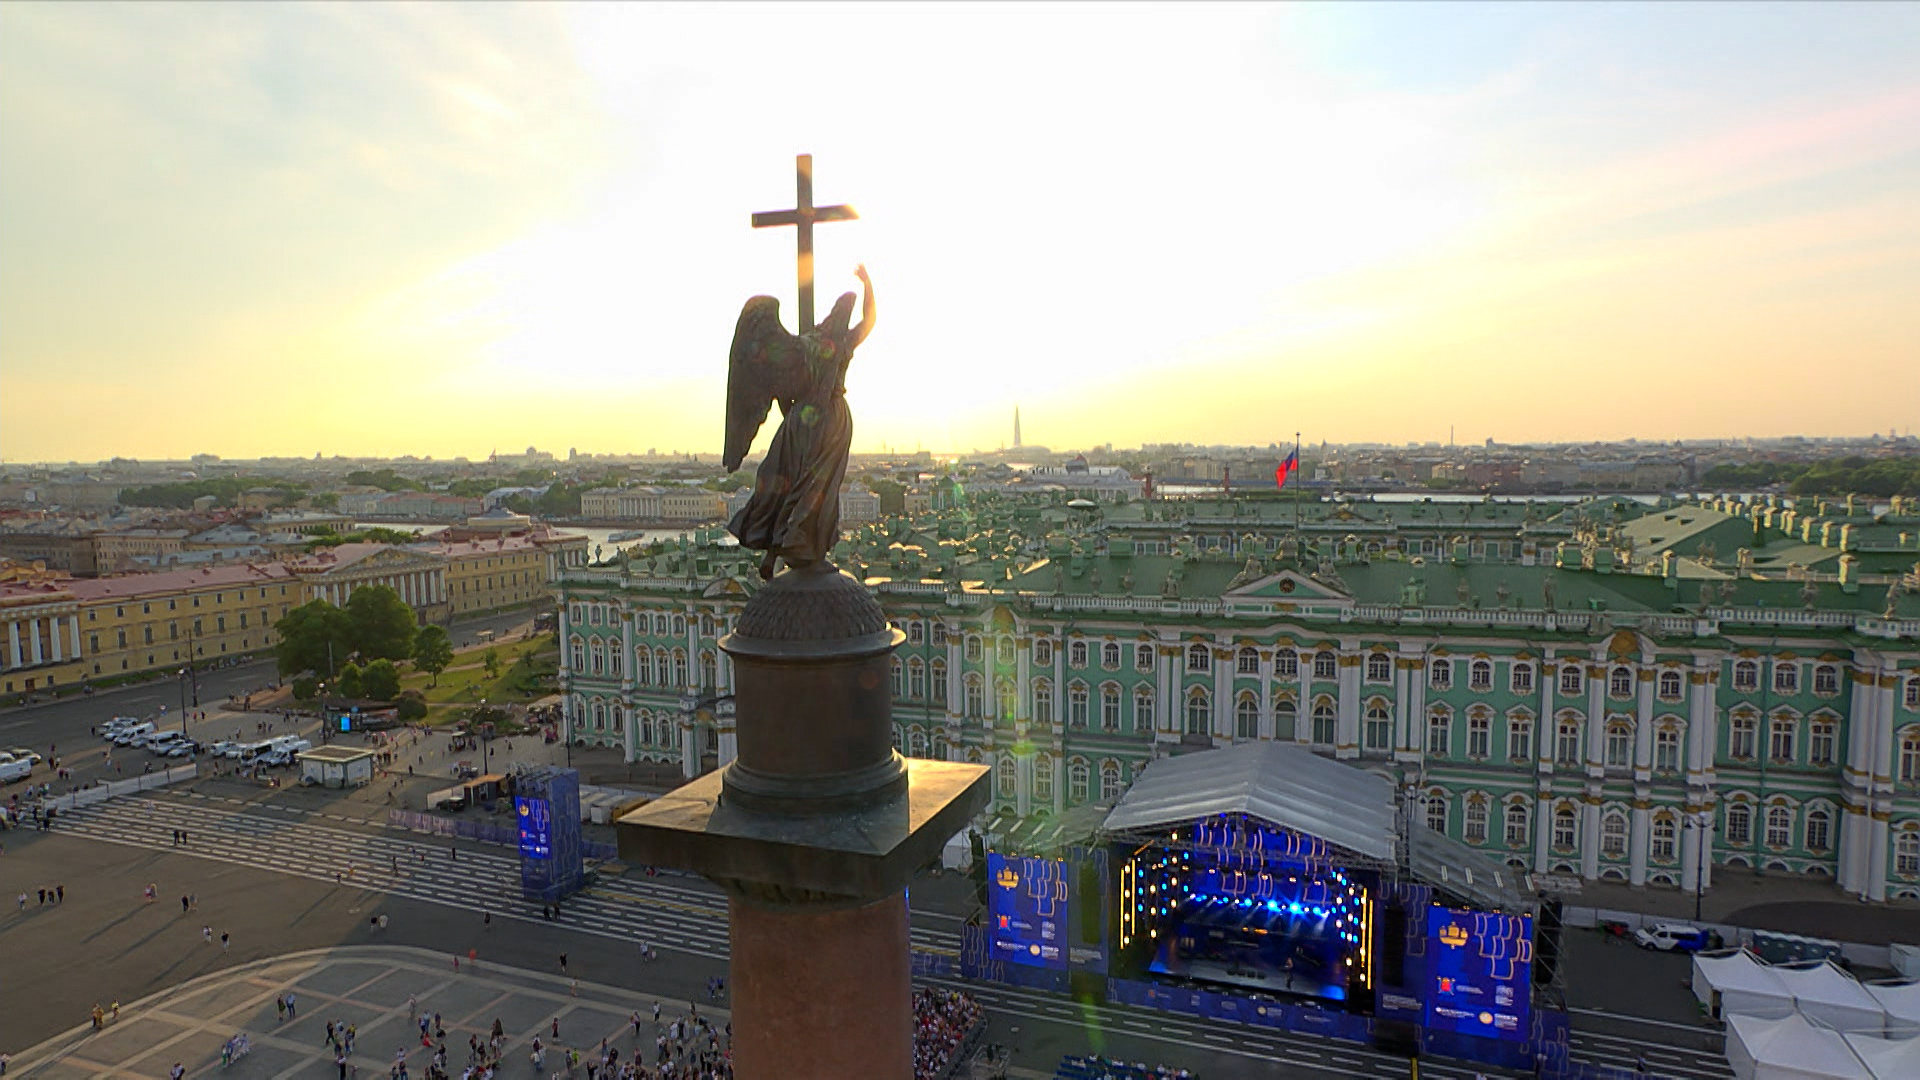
column 130, row 736
column 253, row 752
column 14, row 769
column 291, row 744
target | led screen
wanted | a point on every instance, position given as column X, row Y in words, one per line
column 1027, row 903
column 1480, row 968
column 536, row 828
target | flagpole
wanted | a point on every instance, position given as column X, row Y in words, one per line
column 1296, row 495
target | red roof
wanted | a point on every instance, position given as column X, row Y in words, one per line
column 170, row 581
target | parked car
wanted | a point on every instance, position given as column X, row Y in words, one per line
column 27, row 756
column 182, row 748
column 1671, row 937
column 274, row 759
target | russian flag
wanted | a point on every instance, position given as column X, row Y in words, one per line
column 1287, row 468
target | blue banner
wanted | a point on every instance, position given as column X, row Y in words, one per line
column 1480, row 973
column 536, row 828
column 1027, row 910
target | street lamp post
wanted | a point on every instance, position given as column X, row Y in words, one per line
column 486, row 744
column 183, row 702
column 1702, row 823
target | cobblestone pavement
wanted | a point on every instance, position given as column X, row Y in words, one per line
column 368, row 987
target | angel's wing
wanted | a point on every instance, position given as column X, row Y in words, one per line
column 760, row 345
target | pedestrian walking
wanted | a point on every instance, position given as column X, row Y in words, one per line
column 555, row 1027
column 280, row 1007
column 486, row 920
column 290, row 1012
column 206, row 934
column 23, row 898
column 223, row 941
column 59, row 894
column 563, row 963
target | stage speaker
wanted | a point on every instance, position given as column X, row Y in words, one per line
column 1390, row 942
column 1396, row 1037
column 1088, row 986
column 1093, row 928
column 1546, row 944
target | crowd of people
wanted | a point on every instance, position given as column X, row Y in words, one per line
column 1095, row 1067
column 942, row 1020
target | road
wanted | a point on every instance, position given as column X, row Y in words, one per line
column 62, row 728
column 440, row 894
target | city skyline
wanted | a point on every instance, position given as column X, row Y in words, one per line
column 270, row 231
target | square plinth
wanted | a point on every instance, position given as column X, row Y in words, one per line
column 862, row 853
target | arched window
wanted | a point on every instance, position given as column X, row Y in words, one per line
column 973, row 650
column 916, row 680
column 1613, row 834
column 1474, row 823
column 1742, row 726
column 596, row 656
column 1780, row 740
column 1520, row 680
column 1819, row 829
column 1109, row 781
column 1910, row 757
column 938, row 675
column 976, row 694
column 1077, row 774
column 620, row 719
column 1739, row 824
column 1480, row 675
column 599, row 716
column 1620, row 682
column 1043, row 652
column 1786, row 678
column 1077, row 705
column 1379, row 667
column 1042, row 701
column 899, row 742
column 1906, row 853
column 1517, row 821
column 1285, row 718
column 1004, row 697
column 710, row 671
column 1519, row 735
column 1669, row 686
column 1665, row 835
column 1325, row 665
column 1619, row 744
column 1143, row 708
column 1820, row 737
column 1143, row 658
column 1246, row 661
column 898, row 672
column 1110, row 656
column 1564, row 829
column 1570, row 680
column 679, row 626
column 646, row 727
column 1779, row 827
column 1666, row 749
column 1746, row 675
column 579, row 657
column 1199, row 658
column 1436, row 802
column 917, row 743
column 1246, row 717
column 680, row 667
column 1379, row 728
column 1043, row 779
column 1440, row 675
column 1076, row 653
column 1110, row 707
column 642, row 665
column 615, row 655
column 1439, row 731
column 1325, row 719
column 1009, row 781
column 1199, row 711
column 1286, row 664
column 1566, row 750
column 1003, row 652
column 706, row 626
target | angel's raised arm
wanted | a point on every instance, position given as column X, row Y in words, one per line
column 867, row 311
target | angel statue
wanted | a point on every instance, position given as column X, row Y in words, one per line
column 794, row 513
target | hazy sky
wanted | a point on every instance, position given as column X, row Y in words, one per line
column 442, row 229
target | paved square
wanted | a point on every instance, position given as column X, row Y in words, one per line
column 366, row 986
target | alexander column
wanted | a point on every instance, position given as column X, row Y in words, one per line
column 816, row 827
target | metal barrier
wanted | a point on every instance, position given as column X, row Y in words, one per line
column 100, row 793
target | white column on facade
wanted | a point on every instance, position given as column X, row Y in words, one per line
column 1346, row 737
column 689, row 748
column 33, row 631
column 1303, row 715
column 1879, row 840
column 1022, row 680
column 1060, row 693
column 1166, row 685
column 1059, row 781
column 1223, row 668
column 1637, row 843
column 629, row 729
column 1643, row 724
column 73, row 627
column 1596, row 716
column 1401, row 682
column 53, row 637
column 1856, row 782
column 1546, row 730
column 13, row 643
column 1690, row 831
column 693, row 648
column 1023, row 784
column 1590, row 837
column 956, row 698
column 1266, row 695
column 1542, row 832
column 566, row 650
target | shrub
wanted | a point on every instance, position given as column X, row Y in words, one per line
column 305, row 687
column 411, row 705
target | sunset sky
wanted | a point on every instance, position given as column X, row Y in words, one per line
column 443, row 229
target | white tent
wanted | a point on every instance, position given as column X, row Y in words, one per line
column 1790, row 1048
column 1900, row 1000
column 1737, row 983
column 1887, row 1059
column 1831, row 998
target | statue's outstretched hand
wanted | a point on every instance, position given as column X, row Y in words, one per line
column 861, row 273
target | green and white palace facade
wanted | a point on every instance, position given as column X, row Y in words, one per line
column 1551, row 686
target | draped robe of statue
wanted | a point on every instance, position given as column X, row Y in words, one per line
column 794, row 512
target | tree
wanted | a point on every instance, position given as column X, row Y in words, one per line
column 382, row 623
column 325, row 500
column 347, row 684
column 380, row 681
column 432, row 652
column 491, row 658
column 305, row 687
column 314, row 637
column 410, row 705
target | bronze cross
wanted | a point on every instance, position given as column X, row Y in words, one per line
column 804, row 215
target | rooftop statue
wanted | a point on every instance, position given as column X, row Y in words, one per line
column 794, row 512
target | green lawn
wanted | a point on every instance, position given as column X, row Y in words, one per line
column 526, row 674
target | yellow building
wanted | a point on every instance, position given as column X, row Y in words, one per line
column 507, row 570
column 61, row 633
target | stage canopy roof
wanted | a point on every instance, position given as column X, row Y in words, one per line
column 1465, row 871
column 1282, row 784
